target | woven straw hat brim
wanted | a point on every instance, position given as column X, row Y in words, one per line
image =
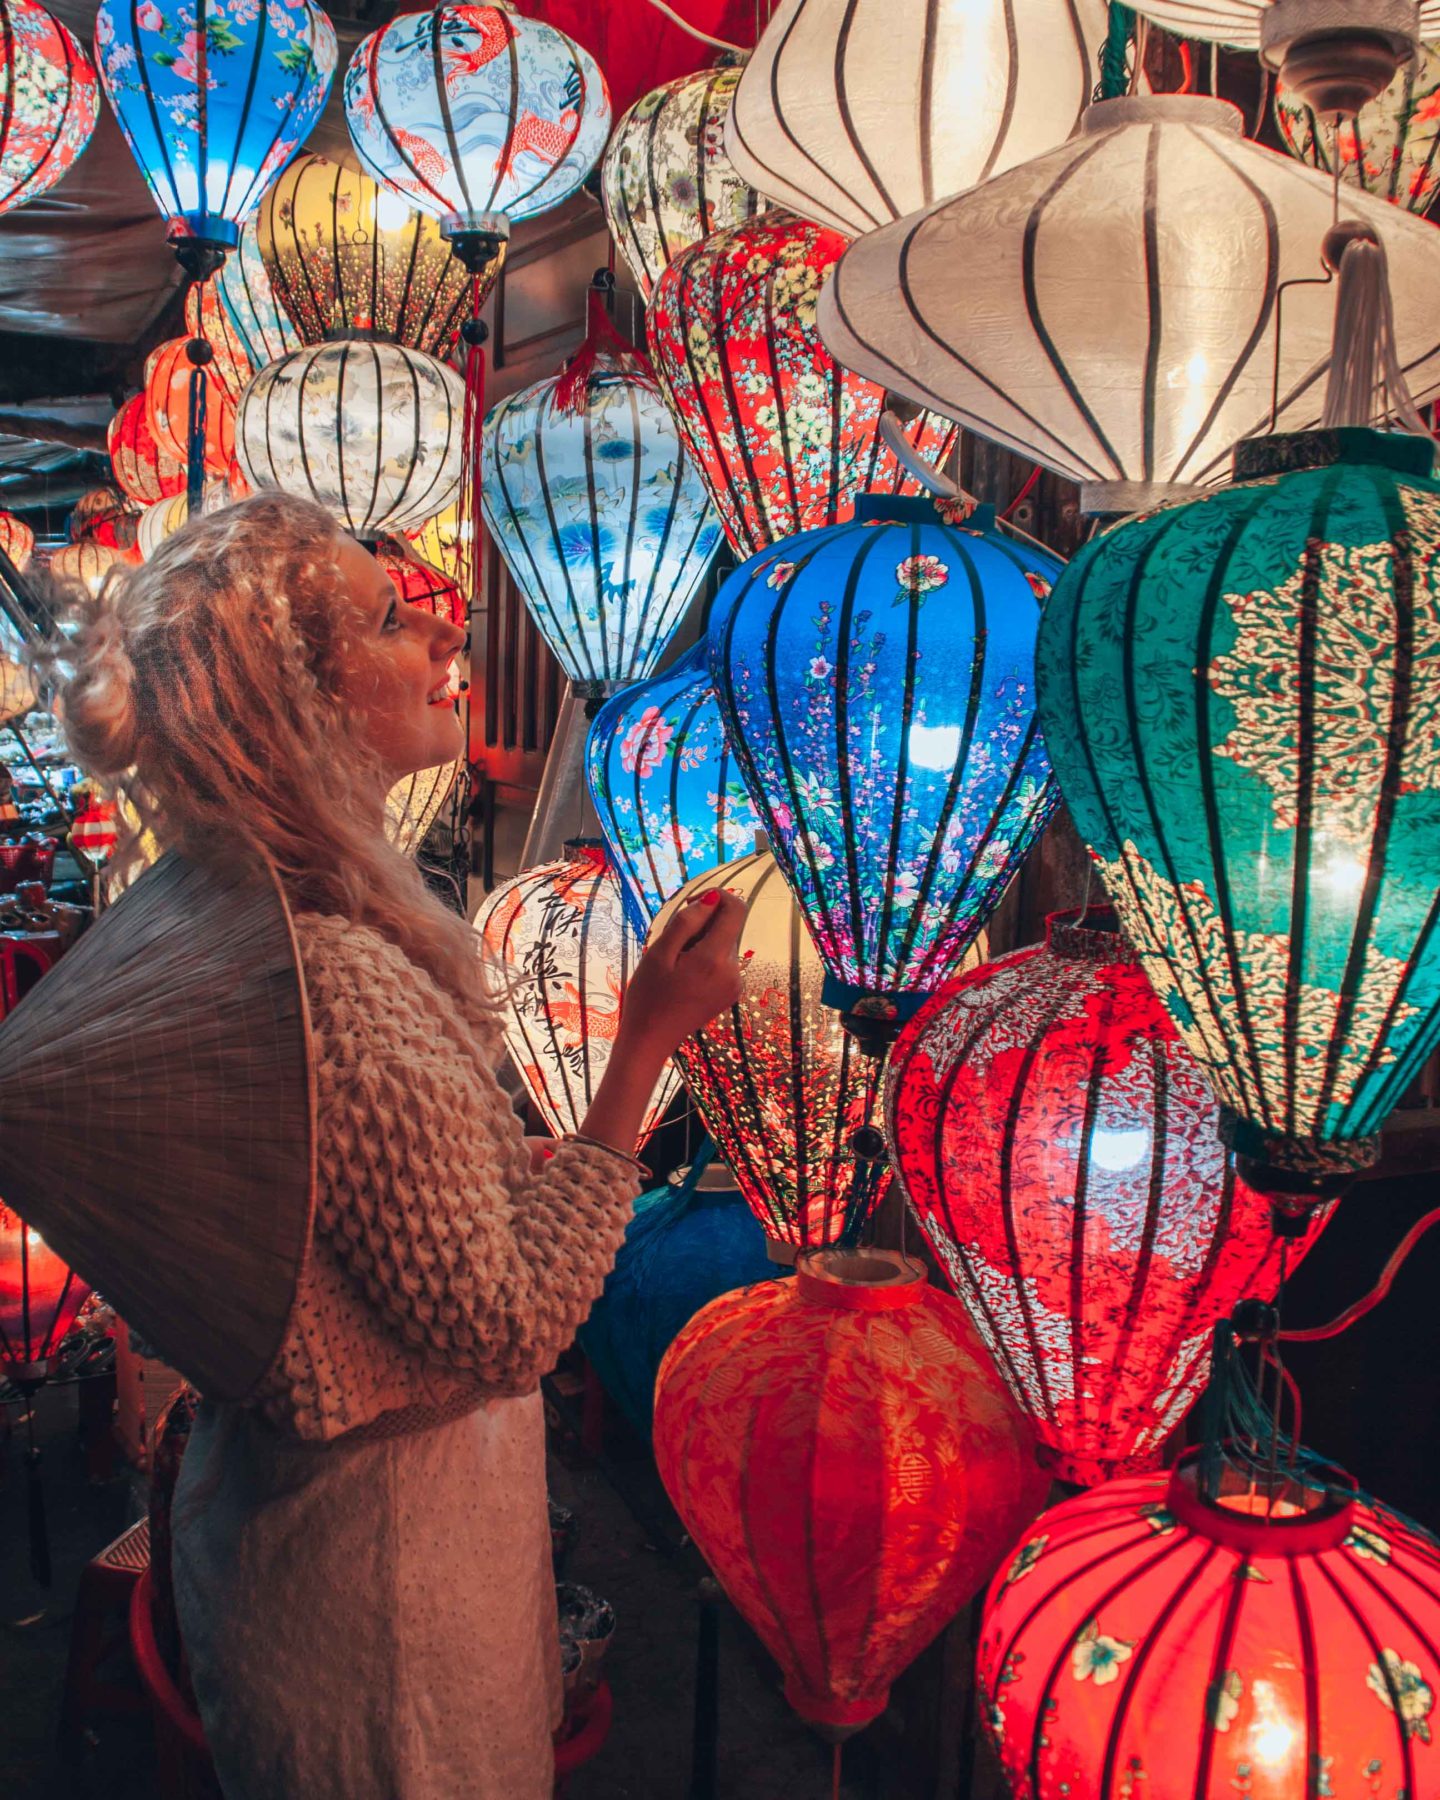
column 157, row 1117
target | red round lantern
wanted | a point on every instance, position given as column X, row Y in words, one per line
column 49, row 101
column 845, row 1457
column 93, row 830
column 168, row 369
column 784, row 437
column 103, row 516
column 419, row 583
column 143, row 469
column 17, row 540
column 1147, row 1642
column 1060, row 1148
column 39, row 1298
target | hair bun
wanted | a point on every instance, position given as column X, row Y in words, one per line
column 97, row 702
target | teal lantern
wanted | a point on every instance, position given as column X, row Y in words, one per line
column 1242, row 699
column 877, row 682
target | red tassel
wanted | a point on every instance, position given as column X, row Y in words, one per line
column 602, row 344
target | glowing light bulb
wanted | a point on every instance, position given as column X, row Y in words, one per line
column 935, row 747
column 1118, row 1149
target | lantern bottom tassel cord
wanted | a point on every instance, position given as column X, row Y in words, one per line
column 602, row 344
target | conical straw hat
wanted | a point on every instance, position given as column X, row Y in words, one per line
column 157, row 1117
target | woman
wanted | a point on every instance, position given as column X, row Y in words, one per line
column 361, row 1558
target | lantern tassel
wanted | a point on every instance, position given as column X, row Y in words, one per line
column 602, row 344
column 1367, row 385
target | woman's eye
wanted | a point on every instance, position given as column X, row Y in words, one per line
column 392, row 618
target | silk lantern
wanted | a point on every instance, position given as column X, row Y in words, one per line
column 165, row 517
column 1126, row 343
column 781, row 1086
column 559, row 948
column 688, row 1242
column 784, row 436
column 420, row 584
column 666, row 181
column 143, row 469
column 416, row 801
column 1241, row 23
column 168, row 373
column 86, row 562
column 261, row 323
column 877, row 685
column 206, row 317
column 445, row 543
column 214, row 102
column 478, row 115
column 1389, row 148
column 103, row 515
column 1059, row 1147
column 93, row 830
column 847, row 1461
column 39, row 1298
column 601, row 518
column 980, row 86
column 1143, row 1639
column 1240, row 698
column 49, row 101
column 371, row 431
column 345, row 255
column 17, row 540
column 665, row 786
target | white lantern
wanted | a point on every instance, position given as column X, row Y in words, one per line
column 1242, row 23
column 856, row 112
column 1110, row 309
column 370, row 430
column 165, row 517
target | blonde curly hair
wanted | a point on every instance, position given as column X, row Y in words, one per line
column 202, row 690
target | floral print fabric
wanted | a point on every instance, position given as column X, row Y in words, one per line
column 1389, row 148
column 49, row 101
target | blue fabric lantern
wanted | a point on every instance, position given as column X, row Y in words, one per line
column 666, row 788
column 602, row 519
column 877, row 682
column 262, row 324
column 689, row 1242
column 214, row 98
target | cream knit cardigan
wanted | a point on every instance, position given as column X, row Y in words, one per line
column 443, row 1270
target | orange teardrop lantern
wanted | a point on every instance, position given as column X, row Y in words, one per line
column 167, row 399
column 849, row 1463
column 144, row 470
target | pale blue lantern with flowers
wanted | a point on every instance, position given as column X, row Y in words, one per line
column 214, row 98
column 602, row 520
column 877, row 682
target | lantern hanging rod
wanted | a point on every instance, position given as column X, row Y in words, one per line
column 935, row 481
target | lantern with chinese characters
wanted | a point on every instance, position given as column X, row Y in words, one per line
column 419, row 584
column 982, row 86
column 848, row 1462
column 477, row 114
column 665, row 786
column 689, row 1242
column 49, row 101
column 39, row 1298
column 261, row 323
column 346, row 255
column 1126, row 343
column 213, row 102
column 17, row 540
column 1240, row 697
column 165, row 517
column 168, row 380
column 601, row 518
column 877, row 685
column 1389, row 148
column 371, row 431
column 784, row 436
column 781, row 1086
column 86, row 562
column 666, row 180
column 143, row 468
column 1060, row 1149
column 560, row 949
column 1145, row 1640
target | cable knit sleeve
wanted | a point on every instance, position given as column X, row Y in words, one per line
column 425, row 1190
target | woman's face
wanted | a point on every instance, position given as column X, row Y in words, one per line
column 399, row 673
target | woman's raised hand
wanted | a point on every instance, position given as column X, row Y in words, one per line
column 690, row 972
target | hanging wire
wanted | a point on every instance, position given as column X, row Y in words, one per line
column 703, row 37
column 1315, row 1334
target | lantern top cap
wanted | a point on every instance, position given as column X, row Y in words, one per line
column 860, row 1280
column 1087, row 934
column 1291, row 1518
column 1282, row 452
column 1160, row 109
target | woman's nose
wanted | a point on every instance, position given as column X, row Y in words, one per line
column 449, row 637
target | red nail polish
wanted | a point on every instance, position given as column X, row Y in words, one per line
column 711, row 897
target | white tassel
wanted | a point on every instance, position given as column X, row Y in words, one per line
column 1367, row 385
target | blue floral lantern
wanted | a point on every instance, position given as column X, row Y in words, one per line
column 665, row 785
column 689, row 1242
column 261, row 323
column 214, row 98
column 603, row 521
column 877, row 682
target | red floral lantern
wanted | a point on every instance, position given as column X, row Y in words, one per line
column 39, row 1298
column 102, row 515
column 143, row 469
column 1059, row 1146
column 419, row 583
column 168, row 369
column 17, row 540
column 49, row 101
column 784, row 437
column 1147, row 1642
column 847, row 1460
